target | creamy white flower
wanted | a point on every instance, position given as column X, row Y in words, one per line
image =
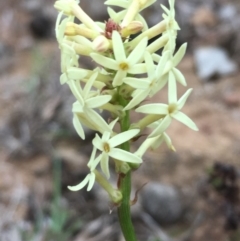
column 108, row 146
column 154, row 143
column 83, row 107
column 169, row 16
column 61, row 25
column 83, row 75
column 70, row 74
column 150, row 85
column 158, row 140
column 172, row 110
column 66, row 6
column 69, row 59
column 90, row 178
column 121, row 63
column 172, row 63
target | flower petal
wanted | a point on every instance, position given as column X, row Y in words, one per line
column 117, row 17
column 63, row 79
column 118, row 79
column 97, row 121
column 113, row 123
column 104, row 61
column 92, row 157
column 91, row 181
column 138, row 52
column 168, row 141
column 89, row 84
column 161, row 64
column 94, row 163
column 183, row 99
column 137, row 83
column 185, row 120
column 161, row 83
column 158, row 109
column 118, row 48
column 76, row 73
column 97, row 142
column 80, row 185
column 123, row 137
column 138, row 69
column 76, row 92
column 137, row 99
column 77, row 107
column 125, row 156
column 98, row 101
column 122, row 3
column 106, row 135
column 164, row 124
column 78, row 127
column 172, row 89
column 149, row 64
column 179, row 76
column 144, row 146
column 157, row 141
column 179, row 55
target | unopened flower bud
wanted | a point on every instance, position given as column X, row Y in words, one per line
column 73, row 29
column 126, row 91
column 100, row 44
column 133, row 28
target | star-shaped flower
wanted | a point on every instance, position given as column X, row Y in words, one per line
column 172, row 110
column 173, row 61
column 169, row 16
column 90, row 178
column 83, row 107
column 121, row 63
column 108, row 146
column 150, row 85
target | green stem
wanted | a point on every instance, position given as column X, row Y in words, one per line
column 124, row 213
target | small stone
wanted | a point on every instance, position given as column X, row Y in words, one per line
column 212, row 61
column 162, row 202
column 227, row 12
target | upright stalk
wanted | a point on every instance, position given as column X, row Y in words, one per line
column 124, row 212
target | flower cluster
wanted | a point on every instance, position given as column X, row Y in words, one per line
column 117, row 84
